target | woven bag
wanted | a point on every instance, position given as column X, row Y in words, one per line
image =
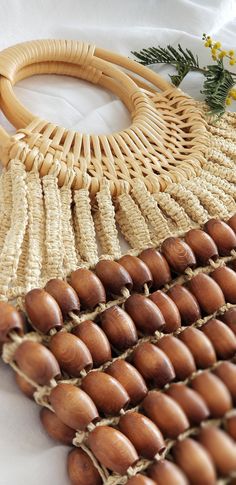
column 64, row 199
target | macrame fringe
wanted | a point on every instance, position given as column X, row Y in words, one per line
column 47, row 232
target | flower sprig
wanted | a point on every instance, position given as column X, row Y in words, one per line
column 218, row 86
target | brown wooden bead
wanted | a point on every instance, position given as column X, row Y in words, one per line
column 153, row 364
column 220, row 447
column 166, row 414
column 200, row 347
column 207, row 292
column 232, row 222
column 113, row 276
column 229, row 318
column 190, row 401
column 226, row 371
column 222, row 338
column 214, row 393
column 112, row 449
column 140, row 480
column 186, row 303
column 168, row 309
column 145, row 314
column 202, row 245
column 64, row 294
column 81, row 469
column 179, row 355
column 165, row 472
column 43, row 310
column 231, row 426
column 226, row 279
column 73, row 406
column 178, row 254
column 138, row 271
column 158, row 266
column 88, row 287
column 25, row 386
column 130, row 379
column 223, row 235
column 198, row 466
column 36, row 362
column 71, row 353
column 96, row 341
column 119, row 327
column 10, row 321
column 143, row 433
column 106, row 392
column 56, row 429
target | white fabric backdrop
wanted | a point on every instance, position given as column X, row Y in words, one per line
column 27, row 455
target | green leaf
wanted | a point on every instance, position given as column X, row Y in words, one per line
column 218, row 82
column 166, row 55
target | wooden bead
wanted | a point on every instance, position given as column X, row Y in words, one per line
column 145, row 314
column 64, row 294
column 190, row 401
column 56, row 429
column 113, row 276
column 43, row 310
column 158, row 266
column 221, row 337
column 220, row 447
column 88, row 287
column 140, row 480
column 130, row 379
column 200, row 347
column 226, row 371
column 222, row 234
column 198, row 466
column 229, row 318
column 231, row 426
column 178, row 254
column 143, row 433
column 138, row 271
column 214, row 393
column 166, row 414
column 106, row 392
column 186, row 303
column 112, row 449
column 207, row 292
column 96, row 341
column 168, row 309
column 73, row 406
column 179, row 355
column 226, row 279
column 232, row 222
column 153, row 364
column 119, row 327
column 165, row 472
column 10, row 321
column 71, row 353
column 81, row 469
column 25, row 386
column 202, row 245
column 36, row 362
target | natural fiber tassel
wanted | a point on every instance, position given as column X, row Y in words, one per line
column 105, row 223
column 132, row 223
column 189, row 202
column 53, row 241
column 11, row 251
column 68, row 236
column 151, row 211
column 222, row 172
column 5, row 205
column 173, row 211
column 87, row 238
column 212, row 204
column 227, row 187
column 220, row 194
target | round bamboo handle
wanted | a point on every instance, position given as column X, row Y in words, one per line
column 51, row 55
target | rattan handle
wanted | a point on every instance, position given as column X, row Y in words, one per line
column 61, row 56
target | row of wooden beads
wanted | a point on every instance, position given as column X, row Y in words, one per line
column 193, row 464
column 89, row 288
